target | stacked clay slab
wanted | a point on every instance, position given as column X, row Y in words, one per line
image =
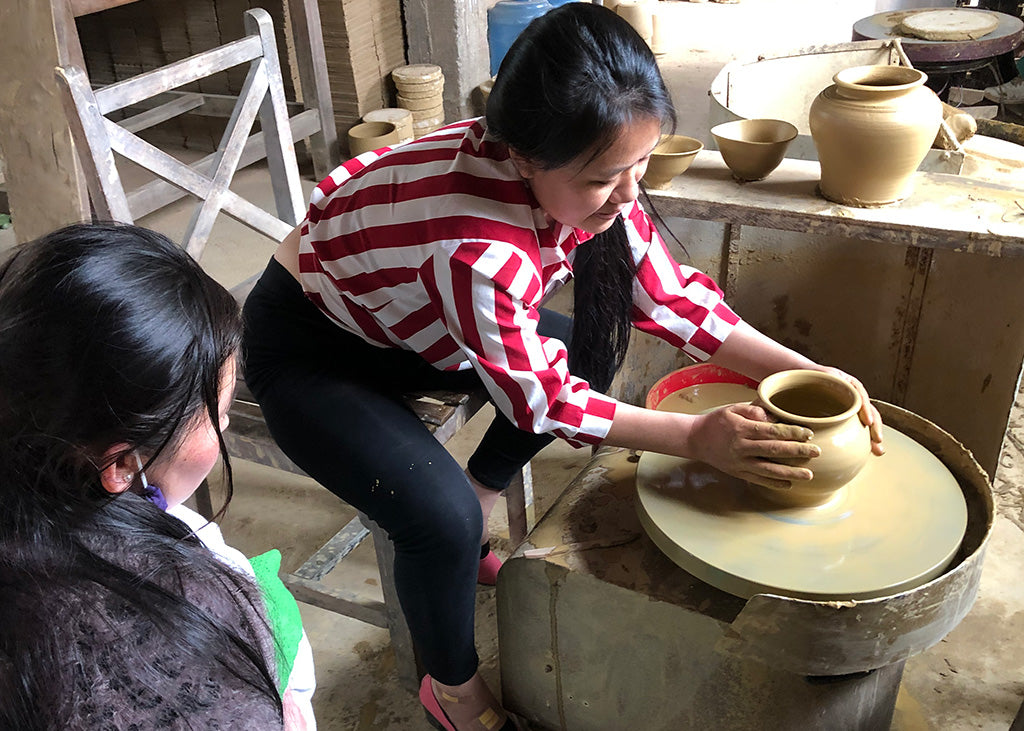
column 419, row 90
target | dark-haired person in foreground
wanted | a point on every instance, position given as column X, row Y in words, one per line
column 120, row 608
column 427, row 266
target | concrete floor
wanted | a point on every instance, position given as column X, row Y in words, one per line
column 971, row 680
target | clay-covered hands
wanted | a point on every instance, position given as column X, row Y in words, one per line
column 744, row 441
column 869, row 415
column 741, row 441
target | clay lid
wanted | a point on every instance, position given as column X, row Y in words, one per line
column 949, row 25
column 416, row 73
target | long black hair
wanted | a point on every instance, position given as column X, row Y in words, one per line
column 109, row 334
column 568, row 86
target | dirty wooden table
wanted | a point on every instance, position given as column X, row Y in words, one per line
column 954, row 309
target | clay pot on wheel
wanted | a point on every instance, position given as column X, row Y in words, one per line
column 872, row 128
column 828, row 406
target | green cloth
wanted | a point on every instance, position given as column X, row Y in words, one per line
column 282, row 612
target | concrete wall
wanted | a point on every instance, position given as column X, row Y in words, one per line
column 453, row 35
column 43, row 180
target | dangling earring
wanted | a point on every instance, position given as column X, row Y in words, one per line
column 142, row 472
column 150, row 492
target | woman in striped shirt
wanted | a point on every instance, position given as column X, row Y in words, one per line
column 427, row 266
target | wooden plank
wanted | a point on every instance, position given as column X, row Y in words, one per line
column 281, row 161
column 316, row 90
column 943, row 212
column 261, row 449
column 406, row 663
column 214, row 105
column 919, row 262
column 88, row 128
column 338, row 601
column 731, row 259
column 152, row 117
column 181, row 175
column 85, row 7
column 226, row 159
column 179, row 73
column 519, row 505
column 327, row 557
column 204, row 501
column 158, row 193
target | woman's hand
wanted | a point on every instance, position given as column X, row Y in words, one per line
column 740, row 441
column 869, row 415
column 754, row 354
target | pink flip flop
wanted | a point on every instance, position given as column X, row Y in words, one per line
column 439, row 719
column 437, row 715
column 488, row 573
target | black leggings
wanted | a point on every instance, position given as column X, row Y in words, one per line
column 334, row 405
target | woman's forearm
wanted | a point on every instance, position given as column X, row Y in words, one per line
column 755, row 355
column 655, row 431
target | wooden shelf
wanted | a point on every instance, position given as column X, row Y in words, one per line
column 943, row 212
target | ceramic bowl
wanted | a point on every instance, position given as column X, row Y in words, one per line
column 670, row 158
column 752, row 148
column 367, row 136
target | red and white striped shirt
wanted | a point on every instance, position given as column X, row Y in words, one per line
column 439, row 247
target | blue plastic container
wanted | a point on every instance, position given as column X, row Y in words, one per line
column 505, row 21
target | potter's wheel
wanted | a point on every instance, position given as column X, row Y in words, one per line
column 897, row 525
column 882, row 26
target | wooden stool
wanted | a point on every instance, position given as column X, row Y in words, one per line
column 443, row 413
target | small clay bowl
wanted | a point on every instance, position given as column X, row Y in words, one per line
column 670, row 158
column 367, row 136
column 752, row 148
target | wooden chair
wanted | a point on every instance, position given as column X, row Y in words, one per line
column 444, row 413
column 98, row 138
column 315, row 121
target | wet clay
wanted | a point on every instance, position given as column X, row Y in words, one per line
column 809, row 401
column 895, row 526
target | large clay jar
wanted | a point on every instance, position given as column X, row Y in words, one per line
column 872, row 128
column 829, row 406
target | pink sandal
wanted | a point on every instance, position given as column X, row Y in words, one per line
column 488, row 573
column 437, row 715
column 439, row 719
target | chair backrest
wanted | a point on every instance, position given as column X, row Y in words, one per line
column 97, row 138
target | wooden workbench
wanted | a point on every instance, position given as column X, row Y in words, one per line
column 920, row 300
column 943, row 212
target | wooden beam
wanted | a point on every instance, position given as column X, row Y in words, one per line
column 152, row 117
column 133, row 90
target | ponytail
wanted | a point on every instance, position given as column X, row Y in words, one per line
column 603, row 273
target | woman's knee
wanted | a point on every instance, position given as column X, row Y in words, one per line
column 448, row 522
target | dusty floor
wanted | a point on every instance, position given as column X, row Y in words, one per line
column 971, row 680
